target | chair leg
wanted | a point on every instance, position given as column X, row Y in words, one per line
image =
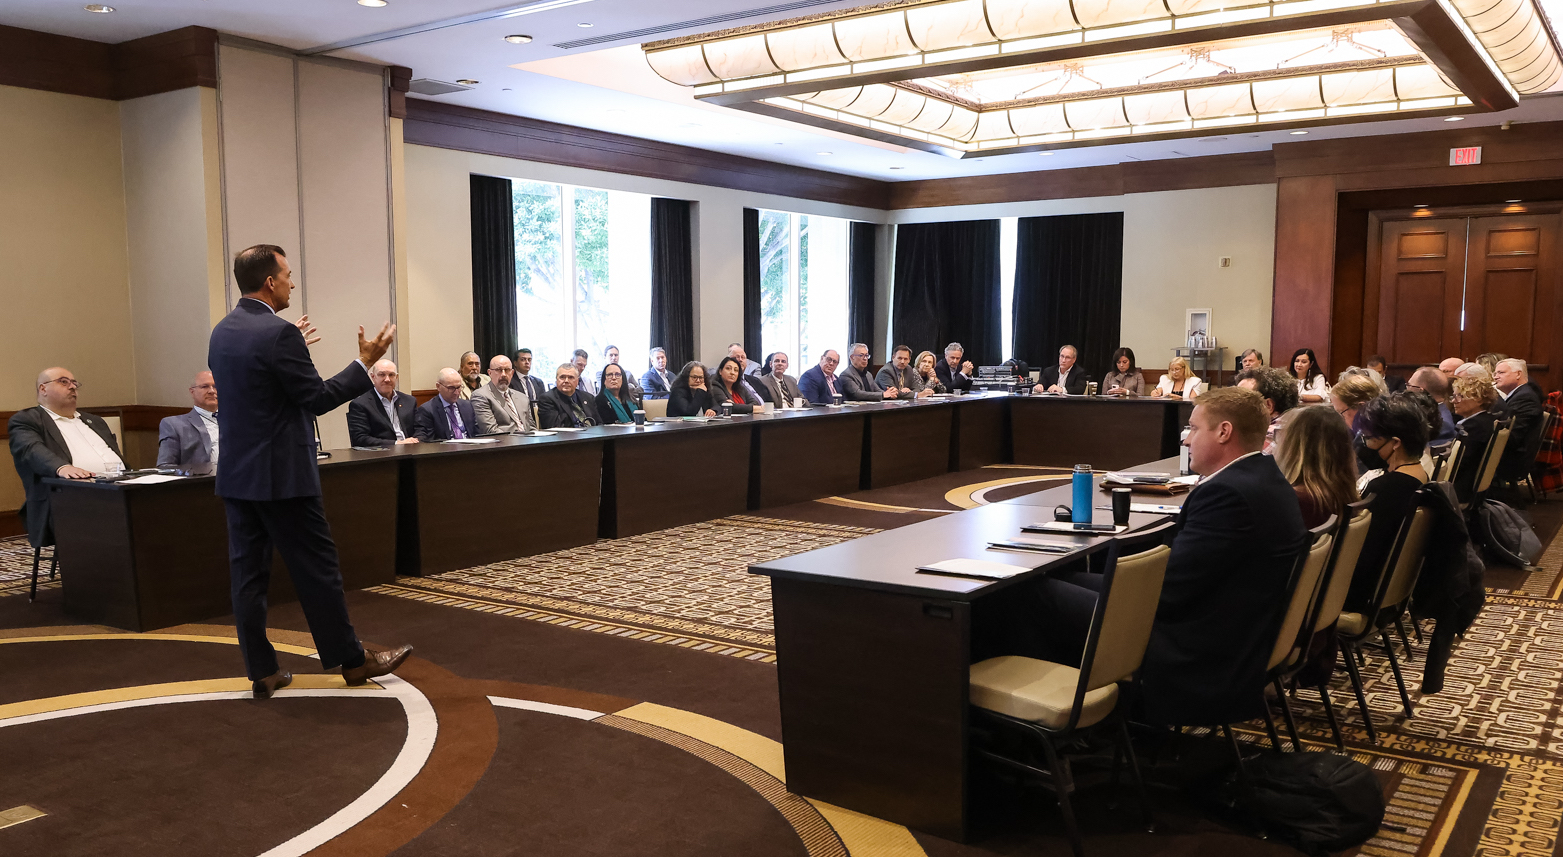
column 32, row 594
column 54, row 562
column 1062, row 786
column 1362, row 699
column 1394, row 667
column 1286, row 712
column 1146, row 810
column 1416, row 631
column 1244, row 785
column 1275, row 737
column 1329, row 711
column 1400, row 630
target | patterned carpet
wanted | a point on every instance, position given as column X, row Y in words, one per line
column 16, row 567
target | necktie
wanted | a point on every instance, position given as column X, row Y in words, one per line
column 511, row 408
column 830, row 381
column 455, row 421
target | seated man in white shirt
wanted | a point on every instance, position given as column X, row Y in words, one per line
column 54, row 439
column 191, row 441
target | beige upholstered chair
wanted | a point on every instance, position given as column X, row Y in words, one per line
column 1448, row 462
column 655, row 408
column 1490, row 460
column 1290, row 638
column 1049, row 701
column 1393, row 595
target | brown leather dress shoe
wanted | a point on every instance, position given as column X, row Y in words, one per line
column 376, row 664
column 265, row 687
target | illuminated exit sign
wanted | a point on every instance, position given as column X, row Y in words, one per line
column 1465, row 157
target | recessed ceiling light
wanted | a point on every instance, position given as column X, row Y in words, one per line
column 1423, row 205
column 585, row 25
column 467, row 81
column 822, row 153
column 99, row 8
column 1298, row 133
column 518, row 39
column 1513, row 201
column 898, row 168
column 1454, row 118
column 1046, row 154
column 373, row 3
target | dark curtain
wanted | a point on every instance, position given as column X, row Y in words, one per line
column 752, row 311
column 947, row 288
column 860, row 282
column 494, row 324
column 1069, row 289
column 672, row 281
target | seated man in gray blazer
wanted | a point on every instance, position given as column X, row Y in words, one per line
column 370, row 420
column 191, row 441
column 776, row 385
column 497, row 408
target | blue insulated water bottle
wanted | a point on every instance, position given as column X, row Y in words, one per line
column 1080, row 511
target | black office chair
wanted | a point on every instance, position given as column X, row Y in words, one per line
column 54, row 559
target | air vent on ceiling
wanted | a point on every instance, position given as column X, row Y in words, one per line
column 685, row 25
column 429, row 86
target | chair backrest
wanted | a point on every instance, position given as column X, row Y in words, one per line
column 1448, row 460
column 1348, row 549
column 655, row 408
column 1406, row 561
column 1304, row 590
column 1491, row 459
column 1121, row 628
column 113, row 423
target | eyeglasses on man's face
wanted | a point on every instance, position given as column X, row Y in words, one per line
column 67, row 383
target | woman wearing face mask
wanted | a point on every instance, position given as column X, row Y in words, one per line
column 1393, row 434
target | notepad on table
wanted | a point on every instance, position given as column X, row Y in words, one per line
column 982, row 568
column 1154, row 509
column 1066, row 528
column 473, row 440
column 1032, row 545
column 150, row 479
column 566, row 428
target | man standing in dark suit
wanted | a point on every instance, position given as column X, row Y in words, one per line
column 954, row 371
column 447, row 416
column 192, row 441
column 382, row 416
column 54, row 439
column 1238, row 537
column 1522, row 401
column 269, row 480
column 566, row 405
column 1066, row 377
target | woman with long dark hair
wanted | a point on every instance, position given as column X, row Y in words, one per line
column 690, row 397
column 1312, row 387
column 1125, row 379
column 727, row 386
column 616, row 403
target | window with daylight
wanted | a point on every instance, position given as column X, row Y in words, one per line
column 583, row 274
column 803, row 286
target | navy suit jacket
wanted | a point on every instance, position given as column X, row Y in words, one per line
column 1225, row 591
column 429, row 423
column 1073, row 384
column 366, row 422
column 941, row 367
column 182, row 441
column 651, row 382
column 813, row 387
column 271, row 395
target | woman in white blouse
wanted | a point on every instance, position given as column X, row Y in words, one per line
column 1312, row 387
column 1179, row 382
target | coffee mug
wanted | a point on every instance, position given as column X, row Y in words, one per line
column 640, row 418
column 836, row 400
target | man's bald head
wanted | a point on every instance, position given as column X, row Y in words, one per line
column 449, row 384
column 1449, row 366
column 384, row 376
column 1431, row 381
column 203, row 392
column 57, row 390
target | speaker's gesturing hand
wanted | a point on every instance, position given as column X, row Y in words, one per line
column 307, row 329
column 370, row 350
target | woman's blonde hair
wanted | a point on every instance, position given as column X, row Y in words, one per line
column 918, row 363
column 1315, row 454
column 1354, row 391
column 1480, row 389
column 1180, row 364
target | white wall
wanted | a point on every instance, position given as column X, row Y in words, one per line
column 439, row 251
column 170, row 180
column 1172, row 241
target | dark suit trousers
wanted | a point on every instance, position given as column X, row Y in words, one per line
column 297, row 528
column 1059, row 612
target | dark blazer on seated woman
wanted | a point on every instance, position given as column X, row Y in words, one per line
column 742, row 403
column 687, row 401
column 1476, row 433
column 625, row 410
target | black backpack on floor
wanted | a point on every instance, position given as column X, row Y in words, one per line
column 1505, row 534
column 1319, row 802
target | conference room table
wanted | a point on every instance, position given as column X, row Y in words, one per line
column 142, row 556
column 873, row 656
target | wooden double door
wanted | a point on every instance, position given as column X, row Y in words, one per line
column 1468, row 285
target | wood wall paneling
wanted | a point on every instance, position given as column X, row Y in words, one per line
column 177, row 59
column 1352, row 307
column 1421, row 287
column 401, row 83
column 1416, row 160
column 1304, row 266
column 466, row 129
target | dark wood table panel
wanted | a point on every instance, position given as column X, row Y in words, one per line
column 1108, row 434
column 669, row 476
column 801, row 459
column 874, row 691
column 548, row 492
column 905, row 443
column 981, row 432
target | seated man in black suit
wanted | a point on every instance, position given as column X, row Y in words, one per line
column 54, row 439
column 1393, row 383
column 1522, row 401
column 192, row 441
column 1238, row 537
column 1066, row 377
column 955, row 371
column 383, row 416
column 566, row 405
column 447, row 416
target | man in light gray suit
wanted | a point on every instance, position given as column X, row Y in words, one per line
column 191, row 441
column 497, row 408
column 777, row 385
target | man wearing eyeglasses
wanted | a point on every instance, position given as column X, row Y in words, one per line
column 192, row 441
column 54, row 439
